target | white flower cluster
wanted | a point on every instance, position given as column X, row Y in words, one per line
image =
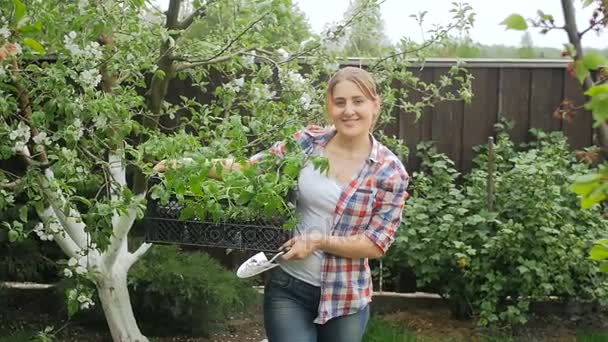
column 82, row 5
column 5, row 32
column 74, row 266
column 283, row 54
column 249, row 59
column 296, row 77
column 21, row 136
column 262, row 93
column 91, row 52
column 46, row 234
column 235, row 85
column 89, row 78
column 88, row 57
column 82, row 298
column 78, row 130
column 305, row 100
column 41, row 139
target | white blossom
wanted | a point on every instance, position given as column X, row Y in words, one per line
column 72, row 262
column 305, row 100
column 68, row 41
column 5, row 32
column 305, row 42
column 100, row 121
column 249, row 59
column 17, row 50
column 295, row 77
column 283, row 53
column 82, row 5
column 239, row 81
column 82, row 298
column 67, row 273
column 89, row 78
column 80, row 270
column 41, row 138
column 22, row 131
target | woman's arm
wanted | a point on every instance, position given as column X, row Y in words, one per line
column 356, row 246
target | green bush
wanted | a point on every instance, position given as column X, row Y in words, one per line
column 494, row 263
column 184, row 293
column 29, row 260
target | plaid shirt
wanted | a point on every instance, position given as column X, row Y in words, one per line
column 371, row 205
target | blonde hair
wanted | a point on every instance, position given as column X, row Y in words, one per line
column 361, row 78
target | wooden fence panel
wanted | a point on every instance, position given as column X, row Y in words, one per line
column 514, row 100
column 578, row 129
column 480, row 115
column 446, row 124
column 546, row 94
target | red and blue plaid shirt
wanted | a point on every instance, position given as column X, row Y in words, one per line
column 371, row 205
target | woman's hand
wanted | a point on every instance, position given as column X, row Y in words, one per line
column 301, row 247
column 160, row 167
column 163, row 165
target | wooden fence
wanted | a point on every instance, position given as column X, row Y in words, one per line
column 525, row 91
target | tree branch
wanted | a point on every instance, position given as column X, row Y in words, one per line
column 141, row 250
column 72, row 222
column 193, row 64
column 172, row 14
column 575, row 39
column 65, row 242
column 235, row 39
column 199, row 13
column 121, row 225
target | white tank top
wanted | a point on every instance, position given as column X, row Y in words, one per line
column 318, row 196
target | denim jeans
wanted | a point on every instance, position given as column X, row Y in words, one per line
column 290, row 306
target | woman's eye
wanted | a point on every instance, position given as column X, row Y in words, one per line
column 358, row 102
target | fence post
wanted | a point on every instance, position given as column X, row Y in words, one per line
column 490, row 184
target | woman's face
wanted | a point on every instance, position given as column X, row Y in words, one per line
column 351, row 111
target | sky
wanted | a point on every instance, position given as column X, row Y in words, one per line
column 486, row 30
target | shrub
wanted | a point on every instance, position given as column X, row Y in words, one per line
column 175, row 292
column 29, row 260
column 493, row 262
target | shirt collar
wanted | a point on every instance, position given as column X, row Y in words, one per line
column 324, row 138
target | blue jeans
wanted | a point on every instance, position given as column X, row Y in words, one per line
column 290, row 306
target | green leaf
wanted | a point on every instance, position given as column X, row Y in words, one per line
column 34, row 45
column 160, row 74
column 597, row 90
column 23, row 214
column 594, row 61
column 581, row 71
column 31, row 28
column 599, row 252
column 19, row 10
column 13, row 235
column 604, row 267
column 515, row 22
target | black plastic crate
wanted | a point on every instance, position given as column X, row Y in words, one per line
column 163, row 226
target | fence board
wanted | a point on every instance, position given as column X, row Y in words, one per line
column 546, row 94
column 446, row 125
column 579, row 130
column 514, row 100
column 481, row 114
column 412, row 131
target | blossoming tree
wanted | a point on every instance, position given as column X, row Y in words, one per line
column 84, row 116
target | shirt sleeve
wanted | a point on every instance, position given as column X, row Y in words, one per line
column 388, row 208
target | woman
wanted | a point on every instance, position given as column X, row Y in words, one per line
column 322, row 289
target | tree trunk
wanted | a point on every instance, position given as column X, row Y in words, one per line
column 114, row 297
